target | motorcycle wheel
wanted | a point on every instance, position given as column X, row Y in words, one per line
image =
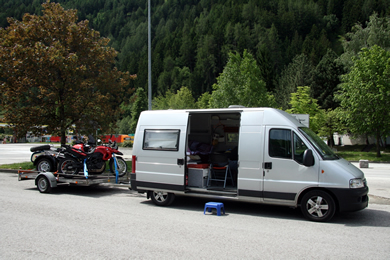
column 122, row 166
column 62, row 166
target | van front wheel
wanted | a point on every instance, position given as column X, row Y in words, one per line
column 161, row 198
column 318, row 206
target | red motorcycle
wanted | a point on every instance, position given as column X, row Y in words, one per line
column 87, row 157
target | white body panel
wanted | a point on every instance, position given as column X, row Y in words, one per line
column 262, row 177
column 251, row 146
column 156, row 166
column 287, row 177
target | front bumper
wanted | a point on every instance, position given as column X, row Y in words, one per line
column 351, row 199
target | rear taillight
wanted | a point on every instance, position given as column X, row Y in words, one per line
column 133, row 159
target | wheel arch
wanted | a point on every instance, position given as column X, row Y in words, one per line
column 321, row 189
column 49, row 176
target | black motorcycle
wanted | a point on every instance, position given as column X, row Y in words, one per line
column 75, row 159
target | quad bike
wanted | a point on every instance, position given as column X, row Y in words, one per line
column 44, row 158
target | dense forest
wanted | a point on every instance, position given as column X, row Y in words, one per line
column 192, row 39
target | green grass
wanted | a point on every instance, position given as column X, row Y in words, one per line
column 371, row 156
column 17, row 166
column 355, row 153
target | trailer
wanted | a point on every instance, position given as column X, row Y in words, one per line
column 46, row 181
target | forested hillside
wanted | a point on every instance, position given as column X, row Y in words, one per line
column 192, row 38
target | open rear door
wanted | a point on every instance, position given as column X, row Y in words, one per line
column 161, row 159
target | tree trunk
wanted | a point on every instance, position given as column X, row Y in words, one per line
column 63, row 137
column 378, row 147
column 330, row 141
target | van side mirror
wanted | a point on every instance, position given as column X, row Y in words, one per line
column 308, row 158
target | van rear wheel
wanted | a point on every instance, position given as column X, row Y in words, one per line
column 161, row 198
column 318, row 206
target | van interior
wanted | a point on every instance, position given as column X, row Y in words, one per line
column 212, row 151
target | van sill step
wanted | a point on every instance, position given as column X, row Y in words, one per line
column 212, row 191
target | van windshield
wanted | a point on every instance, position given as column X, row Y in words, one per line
column 322, row 148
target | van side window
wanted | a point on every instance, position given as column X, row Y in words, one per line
column 299, row 149
column 280, row 143
column 161, row 140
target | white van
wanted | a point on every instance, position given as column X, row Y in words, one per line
column 259, row 155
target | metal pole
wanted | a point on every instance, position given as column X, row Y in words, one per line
column 149, row 62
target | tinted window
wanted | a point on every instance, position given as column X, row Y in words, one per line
column 280, row 143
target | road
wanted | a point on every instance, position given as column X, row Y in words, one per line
column 116, row 223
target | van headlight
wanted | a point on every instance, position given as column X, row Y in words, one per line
column 356, row 183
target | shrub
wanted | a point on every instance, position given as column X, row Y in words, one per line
column 127, row 144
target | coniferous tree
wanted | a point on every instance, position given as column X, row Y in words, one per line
column 297, row 73
column 326, row 78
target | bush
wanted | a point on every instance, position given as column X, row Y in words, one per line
column 127, row 144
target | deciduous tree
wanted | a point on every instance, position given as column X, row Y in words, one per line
column 140, row 104
column 181, row 100
column 57, row 72
column 241, row 84
column 203, row 101
column 302, row 103
column 365, row 94
column 377, row 32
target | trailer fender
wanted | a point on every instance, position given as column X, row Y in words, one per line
column 50, row 176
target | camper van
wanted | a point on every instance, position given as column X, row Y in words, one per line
column 261, row 155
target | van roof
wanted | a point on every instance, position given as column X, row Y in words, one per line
column 272, row 116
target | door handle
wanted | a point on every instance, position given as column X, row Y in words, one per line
column 268, row 165
column 180, row 161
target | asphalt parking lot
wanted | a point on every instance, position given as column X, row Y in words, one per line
column 104, row 222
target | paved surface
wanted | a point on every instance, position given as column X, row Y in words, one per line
column 116, row 223
column 378, row 179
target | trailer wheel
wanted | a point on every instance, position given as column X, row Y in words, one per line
column 43, row 184
column 161, row 198
column 318, row 206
